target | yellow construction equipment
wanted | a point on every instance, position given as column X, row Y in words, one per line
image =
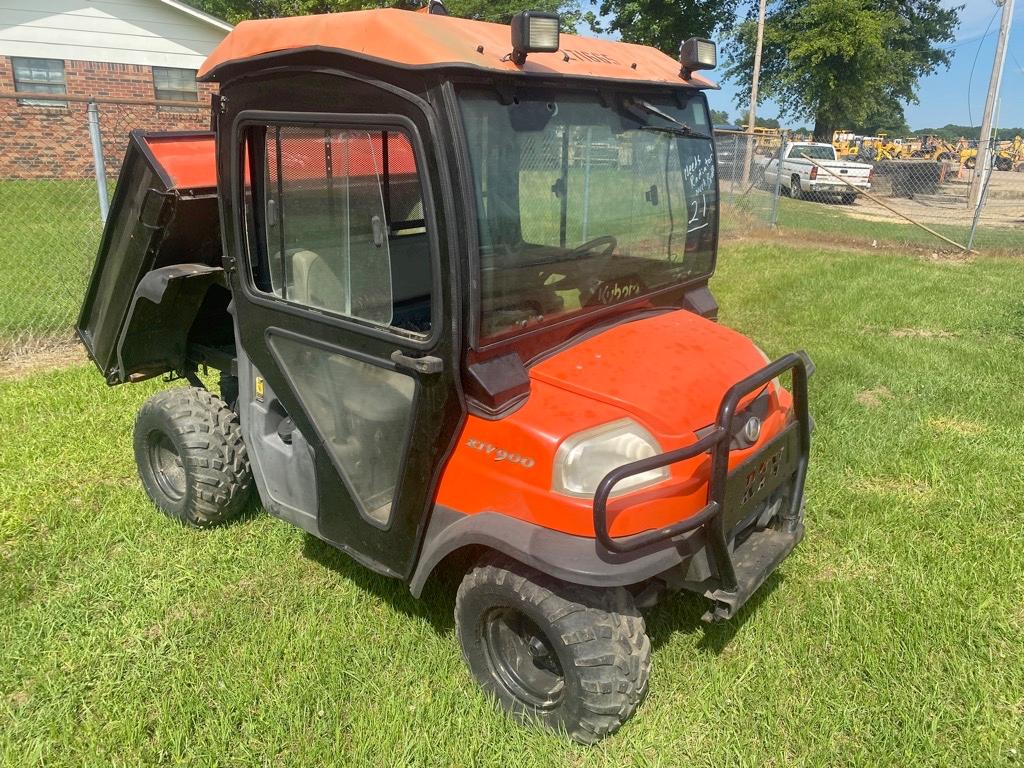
column 874, row 148
column 936, row 148
column 1010, row 155
column 845, row 144
column 767, row 140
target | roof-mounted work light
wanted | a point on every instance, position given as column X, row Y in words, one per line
column 697, row 53
column 533, row 32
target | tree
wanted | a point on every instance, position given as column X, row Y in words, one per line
column 844, row 63
column 234, row 11
column 666, row 24
column 719, row 117
column 760, row 122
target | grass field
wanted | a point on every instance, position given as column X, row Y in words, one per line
column 830, row 223
column 49, row 231
column 891, row 637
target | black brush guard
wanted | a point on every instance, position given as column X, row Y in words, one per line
column 739, row 572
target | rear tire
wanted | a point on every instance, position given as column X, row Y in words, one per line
column 847, row 199
column 575, row 658
column 190, row 456
column 795, row 190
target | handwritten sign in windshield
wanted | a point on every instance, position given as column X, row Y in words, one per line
column 699, row 181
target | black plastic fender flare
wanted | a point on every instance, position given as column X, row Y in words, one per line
column 575, row 559
column 162, row 311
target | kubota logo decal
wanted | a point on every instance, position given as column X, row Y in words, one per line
column 499, row 454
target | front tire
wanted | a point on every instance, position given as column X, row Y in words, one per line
column 191, row 458
column 575, row 658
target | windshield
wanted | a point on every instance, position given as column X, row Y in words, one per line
column 582, row 203
column 814, row 151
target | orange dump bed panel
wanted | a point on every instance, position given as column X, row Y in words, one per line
column 188, row 159
column 417, row 40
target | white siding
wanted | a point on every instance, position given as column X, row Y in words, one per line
column 146, row 32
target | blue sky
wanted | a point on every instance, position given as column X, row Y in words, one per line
column 944, row 96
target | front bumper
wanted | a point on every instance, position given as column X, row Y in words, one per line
column 742, row 553
column 838, row 188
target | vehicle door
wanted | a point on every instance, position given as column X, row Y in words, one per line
column 345, row 315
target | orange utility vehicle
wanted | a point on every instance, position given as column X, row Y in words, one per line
column 454, row 276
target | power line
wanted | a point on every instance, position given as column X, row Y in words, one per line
column 977, row 53
column 1020, row 67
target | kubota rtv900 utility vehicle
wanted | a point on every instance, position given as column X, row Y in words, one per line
column 454, row 276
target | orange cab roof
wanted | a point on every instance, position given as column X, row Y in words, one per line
column 418, row 40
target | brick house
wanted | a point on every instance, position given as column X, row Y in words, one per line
column 112, row 51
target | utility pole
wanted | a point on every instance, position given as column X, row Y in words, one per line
column 752, row 114
column 995, row 81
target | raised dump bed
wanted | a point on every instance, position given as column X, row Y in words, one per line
column 161, row 249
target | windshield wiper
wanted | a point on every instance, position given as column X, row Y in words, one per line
column 678, row 128
column 685, row 131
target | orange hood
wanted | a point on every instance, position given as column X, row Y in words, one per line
column 669, row 372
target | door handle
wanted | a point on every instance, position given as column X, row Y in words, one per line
column 425, row 364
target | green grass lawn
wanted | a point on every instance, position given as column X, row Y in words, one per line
column 829, row 222
column 49, row 232
column 892, row 636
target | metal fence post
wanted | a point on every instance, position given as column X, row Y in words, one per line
column 777, row 187
column 96, row 139
column 986, row 176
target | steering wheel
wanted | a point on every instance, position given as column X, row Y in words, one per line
column 608, row 241
column 605, row 243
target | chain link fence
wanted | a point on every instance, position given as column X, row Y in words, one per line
column 50, row 210
column 922, row 197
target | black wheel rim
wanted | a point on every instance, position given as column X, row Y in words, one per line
column 522, row 658
column 168, row 468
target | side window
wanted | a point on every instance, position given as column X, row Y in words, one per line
column 173, row 84
column 39, row 76
column 335, row 222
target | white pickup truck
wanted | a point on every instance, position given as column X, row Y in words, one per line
column 810, row 169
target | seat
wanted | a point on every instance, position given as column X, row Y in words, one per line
column 355, row 405
column 314, row 282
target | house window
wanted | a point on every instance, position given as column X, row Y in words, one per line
column 39, row 76
column 172, row 84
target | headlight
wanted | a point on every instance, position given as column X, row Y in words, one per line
column 584, row 459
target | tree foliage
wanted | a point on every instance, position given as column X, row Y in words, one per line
column 952, row 132
column 665, row 25
column 760, row 122
column 844, row 63
column 719, row 117
column 574, row 16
